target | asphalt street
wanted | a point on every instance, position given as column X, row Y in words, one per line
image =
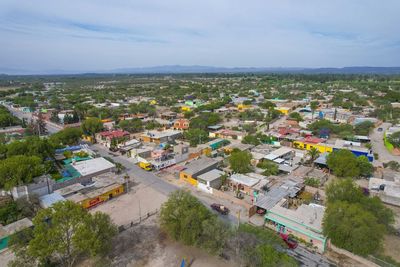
column 378, row 145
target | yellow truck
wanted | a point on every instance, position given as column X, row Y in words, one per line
column 145, row 166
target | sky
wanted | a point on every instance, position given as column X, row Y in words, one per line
column 98, row 35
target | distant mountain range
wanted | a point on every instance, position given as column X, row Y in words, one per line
column 172, row 69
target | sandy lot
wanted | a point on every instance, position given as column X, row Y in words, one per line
column 129, row 207
column 145, row 246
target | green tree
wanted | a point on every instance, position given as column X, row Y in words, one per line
column 182, row 216
column 133, row 126
column 351, row 227
column 296, row 116
column 343, row 190
column 270, row 167
column 394, row 139
column 68, row 136
column 343, row 163
column 196, row 136
column 91, row 126
column 313, row 153
column 19, row 170
column 251, row 139
column 240, row 161
column 364, row 128
column 214, row 236
column 313, row 106
column 366, row 168
column 66, row 231
column 266, row 255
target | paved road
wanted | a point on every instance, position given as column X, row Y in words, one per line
column 51, row 127
column 305, row 257
column 379, row 147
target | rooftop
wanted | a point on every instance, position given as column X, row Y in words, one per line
column 92, row 166
column 200, row 164
column 211, row 175
column 161, row 134
column 308, row 218
column 244, row 179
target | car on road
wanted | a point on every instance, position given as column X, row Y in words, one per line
column 220, row 208
column 380, row 129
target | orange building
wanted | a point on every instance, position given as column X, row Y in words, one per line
column 181, row 124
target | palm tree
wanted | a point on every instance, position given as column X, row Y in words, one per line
column 313, row 153
column 313, row 105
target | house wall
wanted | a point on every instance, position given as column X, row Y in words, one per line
column 91, row 202
column 205, row 187
column 280, row 227
column 322, row 148
column 188, row 178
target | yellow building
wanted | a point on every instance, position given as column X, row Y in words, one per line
column 196, row 168
column 185, row 108
column 97, row 196
column 242, row 107
column 186, row 177
column 322, row 148
column 153, row 102
column 283, row 110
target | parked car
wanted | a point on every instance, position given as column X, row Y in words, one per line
column 380, row 129
column 290, row 242
column 220, row 208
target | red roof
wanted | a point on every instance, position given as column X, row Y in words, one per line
column 114, row 134
column 287, row 130
column 313, row 140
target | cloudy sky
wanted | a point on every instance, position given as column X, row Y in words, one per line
column 86, row 35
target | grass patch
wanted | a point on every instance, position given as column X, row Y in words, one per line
column 388, row 145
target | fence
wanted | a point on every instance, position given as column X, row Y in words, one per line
column 137, row 221
column 363, row 261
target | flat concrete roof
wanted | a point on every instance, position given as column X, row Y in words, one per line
column 306, row 218
column 211, row 175
column 244, row 179
column 92, row 166
column 48, row 200
column 199, row 165
column 15, row 227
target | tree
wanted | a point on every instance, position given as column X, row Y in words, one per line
column 394, row 139
column 66, row 231
column 182, row 216
column 38, row 126
column 313, row 153
column 196, row 136
column 185, row 219
column 313, row 106
column 296, row 116
column 204, row 120
column 133, row 126
column 270, row 167
column 54, row 117
column 251, row 139
column 91, row 126
column 351, row 227
column 240, row 161
column 364, row 128
column 19, row 170
column 366, row 168
column 343, row 163
column 266, row 255
column 214, row 235
column 68, row 136
column 343, row 190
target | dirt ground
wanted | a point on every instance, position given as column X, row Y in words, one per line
column 391, row 247
column 145, row 246
column 128, row 207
